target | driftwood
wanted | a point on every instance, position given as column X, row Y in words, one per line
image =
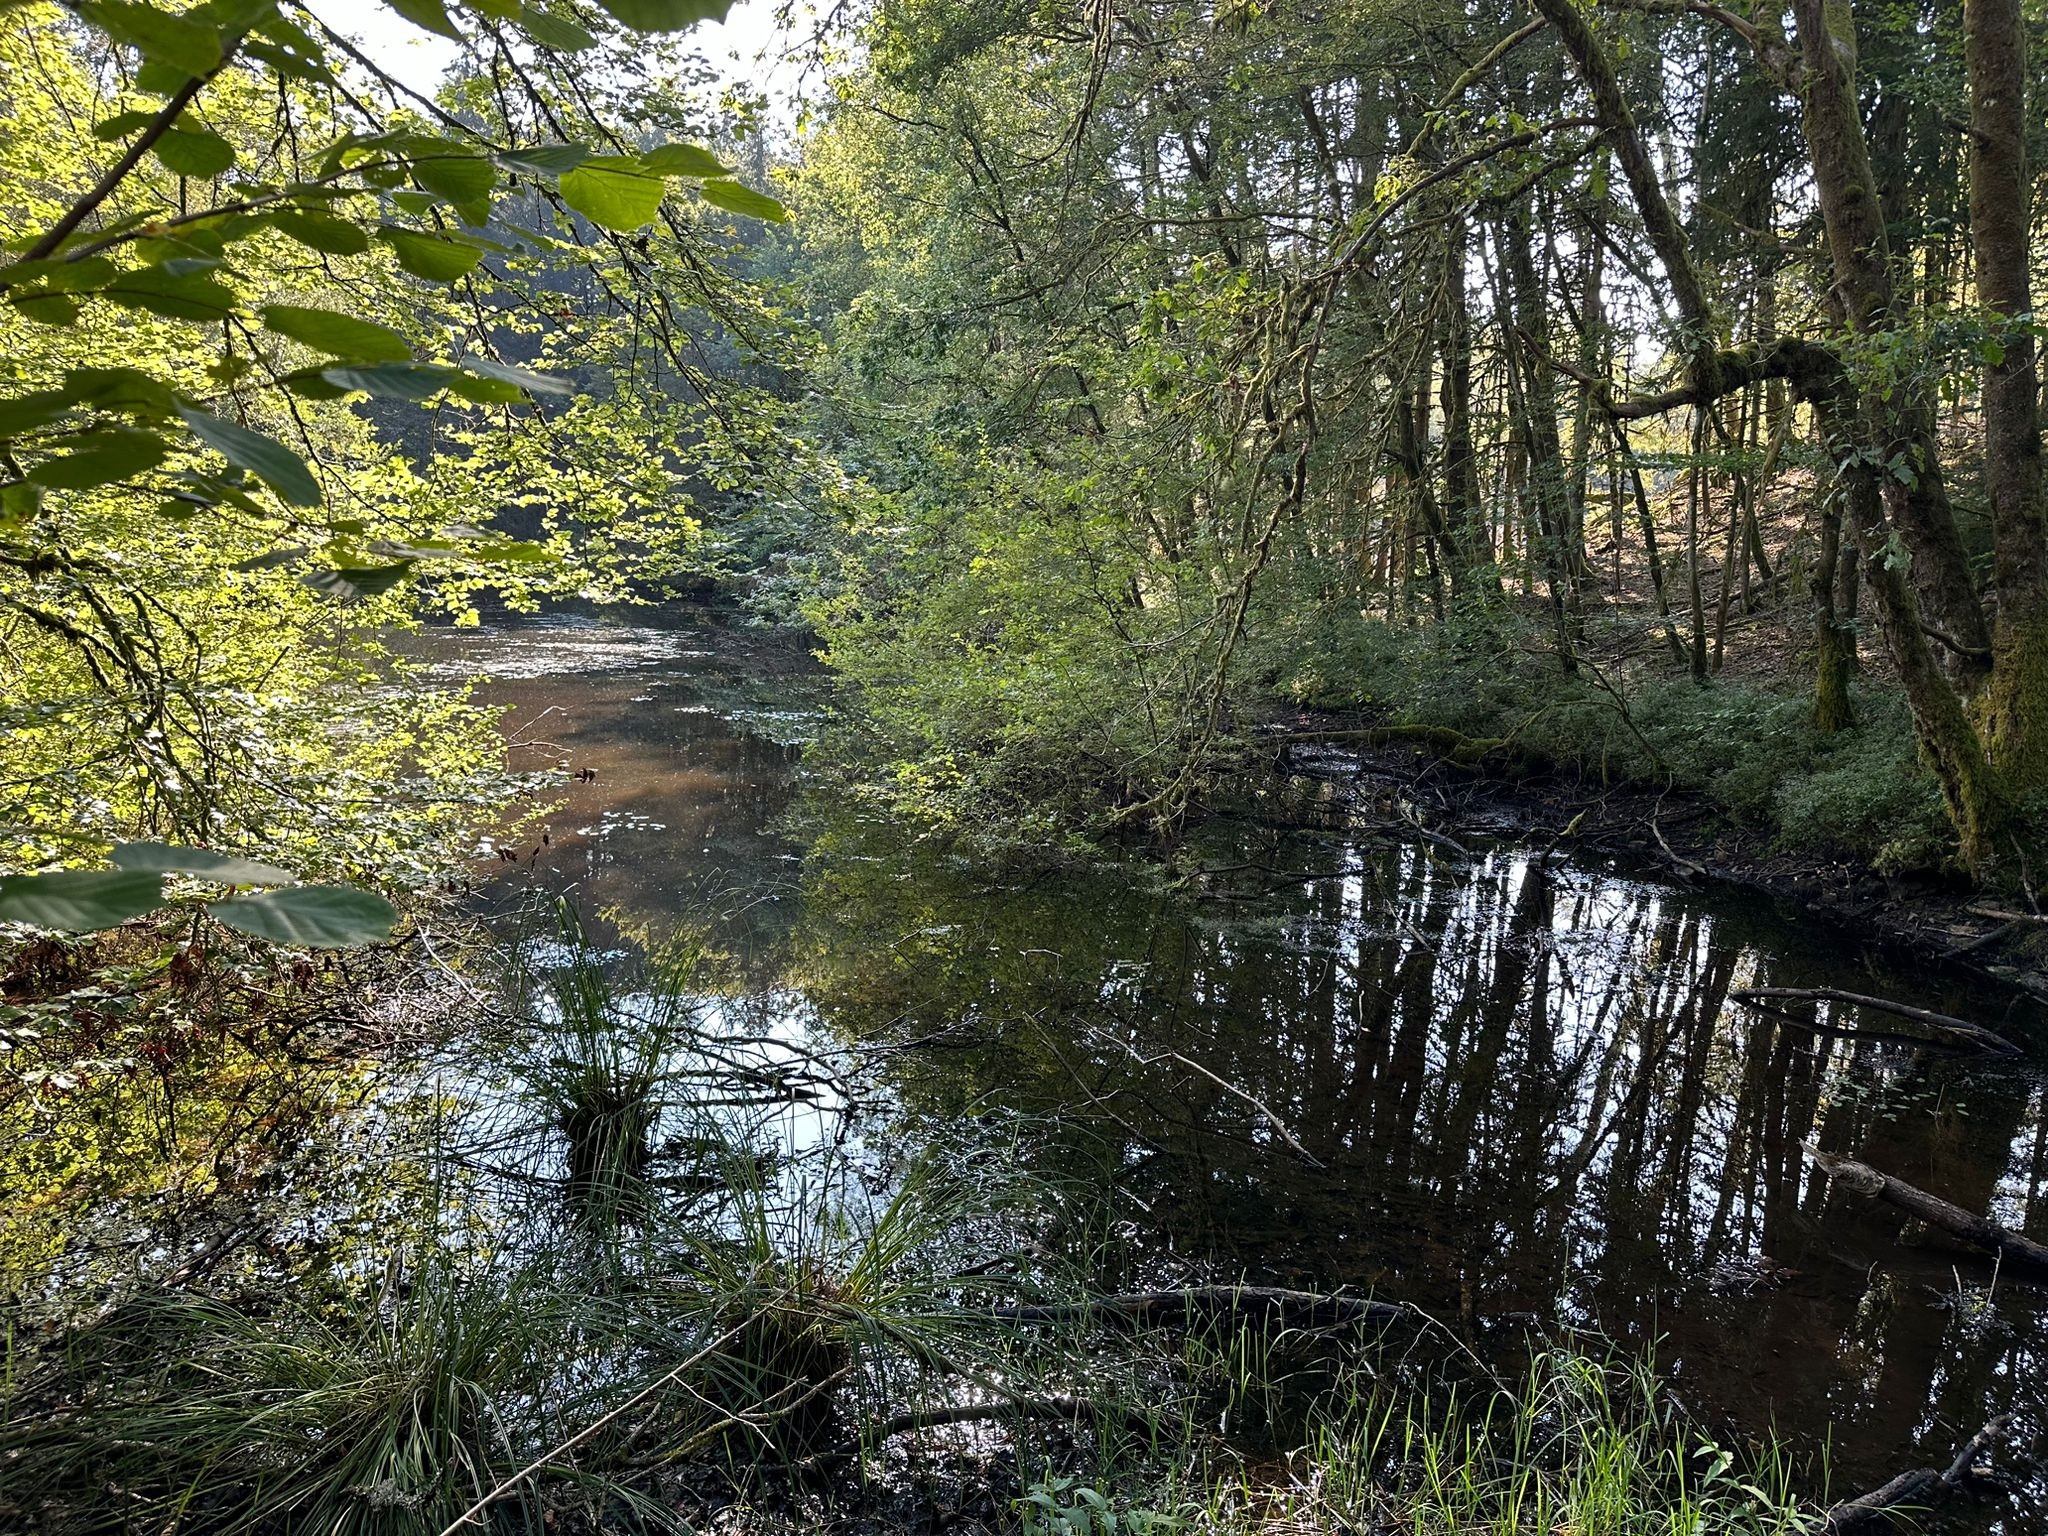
column 1307, row 1307
column 1939, row 1026
column 1914, row 1488
column 1932, row 1209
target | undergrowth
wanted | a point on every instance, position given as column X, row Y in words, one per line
column 617, row 1291
column 1746, row 746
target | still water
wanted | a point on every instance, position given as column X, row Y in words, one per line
column 1512, row 1089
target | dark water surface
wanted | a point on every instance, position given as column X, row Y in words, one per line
column 1500, row 1087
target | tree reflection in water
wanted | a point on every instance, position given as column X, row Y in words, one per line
column 1517, row 1087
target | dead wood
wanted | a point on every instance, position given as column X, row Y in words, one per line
column 1862, row 1179
column 1941, row 1026
column 1917, row 1487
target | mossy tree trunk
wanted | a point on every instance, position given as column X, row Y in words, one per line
column 1901, row 428
column 2014, row 703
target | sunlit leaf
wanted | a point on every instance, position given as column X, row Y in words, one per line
column 733, row 197
column 614, row 191
column 684, row 160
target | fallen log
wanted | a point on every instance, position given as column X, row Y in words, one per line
column 1863, row 1179
column 1140, row 1307
column 1941, row 1026
column 1917, row 1487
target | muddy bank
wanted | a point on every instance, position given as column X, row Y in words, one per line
column 1677, row 835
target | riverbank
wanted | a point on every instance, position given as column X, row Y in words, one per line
column 1432, row 781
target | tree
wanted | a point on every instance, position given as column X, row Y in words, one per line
column 226, row 254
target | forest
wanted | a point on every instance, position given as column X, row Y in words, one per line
column 1246, row 766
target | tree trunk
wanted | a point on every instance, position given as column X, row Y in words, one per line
column 1901, row 429
column 1833, row 641
column 2015, row 700
column 1949, row 744
column 1463, row 515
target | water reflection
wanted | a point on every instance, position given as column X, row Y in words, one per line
column 1501, row 1086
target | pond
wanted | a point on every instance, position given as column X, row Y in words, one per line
column 1515, row 1089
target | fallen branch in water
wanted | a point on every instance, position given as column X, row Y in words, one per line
column 1943, row 1026
column 1164, row 1306
column 1932, row 1209
column 1917, row 1486
column 1792, row 1020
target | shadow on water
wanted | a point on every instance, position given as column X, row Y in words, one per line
column 1507, row 1089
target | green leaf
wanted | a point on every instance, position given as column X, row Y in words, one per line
column 666, row 15
column 120, row 125
column 614, row 191
column 198, row 152
column 684, row 160
column 163, row 859
column 354, row 583
column 24, row 413
column 186, row 46
column 465, row 180
column 431, row 14
column 46, row 308
column 544, row 159
column 100, row 458
column 289, row 62
column 119, row 389
column 556, row 32
column 178, row 296
column 322, row 231
column 486, row 391
column 735, row 198
column 18, row 503
column 80, row 900
column 339, row 335
column 310, row 916
column 436, row 258
column 265, row 457
column 393, row 381
column 525, row 378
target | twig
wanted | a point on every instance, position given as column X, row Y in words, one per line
column 1942, row 1025
column 1225, row 1084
